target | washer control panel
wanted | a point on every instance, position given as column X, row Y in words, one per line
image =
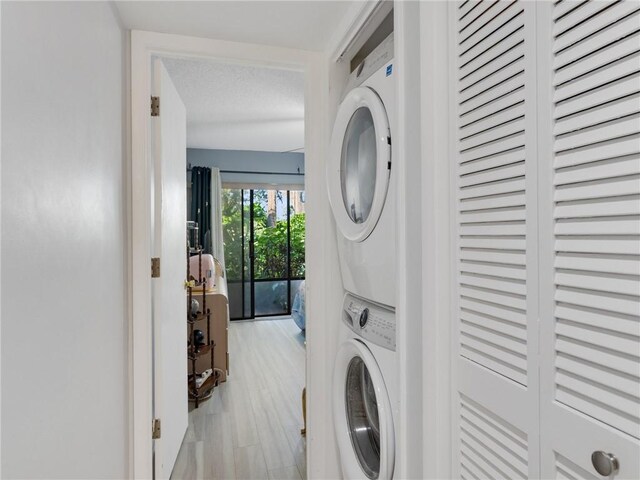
column 373, row 322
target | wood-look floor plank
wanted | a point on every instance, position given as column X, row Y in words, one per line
column 285, row 473
column 190, row 462
column 220, row 447
column 250, row 463
column 244, row 429
column 275, row 446
column 298, row 444
column 250, row 427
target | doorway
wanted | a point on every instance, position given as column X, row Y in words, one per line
column 264, row 243
column 144, row 45
column 262, row 227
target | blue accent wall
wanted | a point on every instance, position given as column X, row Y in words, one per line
column 257, row 167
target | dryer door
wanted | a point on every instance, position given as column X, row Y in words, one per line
column 359, row 164
column 362, row 415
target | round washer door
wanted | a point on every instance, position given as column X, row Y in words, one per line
column 362, row 414
column 359, row 163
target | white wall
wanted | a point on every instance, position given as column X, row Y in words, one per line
column 437, row 268
column 324, row 299
column 0, row 250
column 409, row 255
column 64, row 334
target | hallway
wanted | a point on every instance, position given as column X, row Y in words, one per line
column 250, row 427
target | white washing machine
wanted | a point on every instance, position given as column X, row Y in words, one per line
column 361, row 181
column 365, row 390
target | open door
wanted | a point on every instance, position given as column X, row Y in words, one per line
column 169, row 144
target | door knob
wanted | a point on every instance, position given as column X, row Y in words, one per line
column 606, row 464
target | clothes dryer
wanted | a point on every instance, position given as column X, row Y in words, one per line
column 361, row 180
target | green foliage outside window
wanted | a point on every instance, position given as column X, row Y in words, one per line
column 270, row 246
column 297, row 245
column 232, row 233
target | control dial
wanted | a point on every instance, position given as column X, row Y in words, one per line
column 364, row 316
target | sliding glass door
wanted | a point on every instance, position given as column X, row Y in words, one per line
column 264, row 250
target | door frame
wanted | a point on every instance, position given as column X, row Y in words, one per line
column 145, row 45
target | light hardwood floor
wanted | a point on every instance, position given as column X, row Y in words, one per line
column 250, row 427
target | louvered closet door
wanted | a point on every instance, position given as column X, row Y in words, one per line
column 496, row 384
column 590, row 237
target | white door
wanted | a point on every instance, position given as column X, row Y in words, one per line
column 548, row 184
column 362, row 415
column 495, row 397
column 590, row 317
column 169, row 299
column 359, row 164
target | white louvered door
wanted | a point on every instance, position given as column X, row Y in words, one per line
column 590, row 236
column 496, row 328
column 547, row 183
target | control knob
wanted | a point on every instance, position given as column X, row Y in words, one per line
column 364, row 316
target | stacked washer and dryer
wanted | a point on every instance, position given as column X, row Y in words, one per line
column 362, row 193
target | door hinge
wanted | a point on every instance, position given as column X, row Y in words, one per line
column 156, row 431
column 155, row 267
column 155, row 106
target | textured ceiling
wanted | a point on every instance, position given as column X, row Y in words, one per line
column 306, row 25
column 234, row 107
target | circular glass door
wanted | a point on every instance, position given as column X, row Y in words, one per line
column 359, row 165
column 362, row 417
column 362, row 414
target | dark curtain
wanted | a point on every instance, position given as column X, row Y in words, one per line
column 201, row 204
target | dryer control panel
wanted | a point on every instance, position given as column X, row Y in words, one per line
column 381, row 55
column 373, row 322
